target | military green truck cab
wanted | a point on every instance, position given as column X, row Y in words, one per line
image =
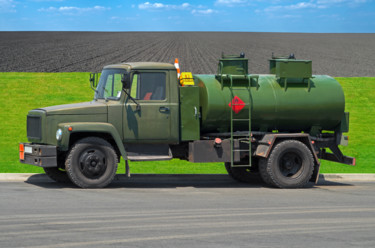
column 134, row 103
column 272, row 124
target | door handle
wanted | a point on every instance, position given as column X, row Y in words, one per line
column 164, row 109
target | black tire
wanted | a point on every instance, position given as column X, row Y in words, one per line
column 290, row 165
column 240, row 174
column 57, row 174
column 262, row 165
column 91, row 163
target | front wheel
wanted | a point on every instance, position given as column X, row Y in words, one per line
column 290, row 165
column 91, row 163
column 57, row 174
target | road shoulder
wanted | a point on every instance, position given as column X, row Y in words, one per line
column 340, row 177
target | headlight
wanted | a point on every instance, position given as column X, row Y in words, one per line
column 58, row 134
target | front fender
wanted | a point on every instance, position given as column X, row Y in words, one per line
column 89, row 127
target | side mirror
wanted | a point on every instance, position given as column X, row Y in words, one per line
column 126, row 81
column 94, row 80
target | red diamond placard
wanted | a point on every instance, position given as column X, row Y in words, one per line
column 236, row 104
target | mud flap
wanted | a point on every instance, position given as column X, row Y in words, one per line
column 315, row 176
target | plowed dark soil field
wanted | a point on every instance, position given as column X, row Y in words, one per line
column 343, row 55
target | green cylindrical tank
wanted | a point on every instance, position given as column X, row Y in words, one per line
column 286, row 105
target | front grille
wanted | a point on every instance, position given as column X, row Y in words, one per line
column 34, row 127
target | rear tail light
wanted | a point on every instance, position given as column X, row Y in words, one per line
column 22, row 152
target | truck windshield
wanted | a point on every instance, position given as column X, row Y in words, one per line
column 110, row 85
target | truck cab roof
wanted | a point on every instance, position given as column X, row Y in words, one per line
column 142, row 65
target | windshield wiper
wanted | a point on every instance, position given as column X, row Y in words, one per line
column 138, row 107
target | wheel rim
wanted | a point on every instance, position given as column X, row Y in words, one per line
column 291, row 165
column 92, row 163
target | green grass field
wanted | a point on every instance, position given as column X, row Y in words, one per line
column 21, row 92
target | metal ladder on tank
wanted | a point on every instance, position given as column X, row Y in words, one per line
column 234, row 120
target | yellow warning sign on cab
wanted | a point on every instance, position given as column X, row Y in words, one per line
column 186, row 78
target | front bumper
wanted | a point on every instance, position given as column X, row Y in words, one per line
column 39, row 155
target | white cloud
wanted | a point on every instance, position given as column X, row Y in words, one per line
column 297, row 6
column 315, row 4
column 71, row 10
column 50, row 9
column 291, row 16
column 340, row 1
column 195, row 9
column 301, row 5
column 148, row 5
column 203, row 11
column 7, row 6
column 47, row 0
column 230, row 2
column 350, row 3
column 329, row 1
column 156, row 6
column 305, row 5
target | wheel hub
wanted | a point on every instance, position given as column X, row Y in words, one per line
column 93, row 163
column 290, row 164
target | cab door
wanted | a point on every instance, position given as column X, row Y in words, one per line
column 150, row 122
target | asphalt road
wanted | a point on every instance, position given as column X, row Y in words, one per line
column 209, row 211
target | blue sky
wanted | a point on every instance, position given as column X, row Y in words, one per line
column 326, row 16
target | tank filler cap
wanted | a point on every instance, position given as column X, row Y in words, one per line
column 291, row 56
column 223, row 56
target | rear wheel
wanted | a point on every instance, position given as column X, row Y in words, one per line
column 290, row 165
column 91, row 163
column 241, row 174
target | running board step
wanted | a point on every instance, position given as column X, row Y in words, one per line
column 147, row 152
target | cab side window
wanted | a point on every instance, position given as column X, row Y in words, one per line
column 148, row 86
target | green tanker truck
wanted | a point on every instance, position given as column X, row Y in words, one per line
column 278, row 125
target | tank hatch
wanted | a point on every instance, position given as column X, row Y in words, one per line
column 233, row 64
column 290, row 67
